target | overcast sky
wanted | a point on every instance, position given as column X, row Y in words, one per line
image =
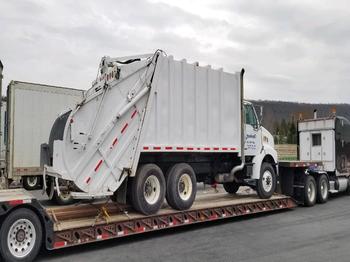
column 292, row 50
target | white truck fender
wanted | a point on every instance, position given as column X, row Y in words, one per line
column 267, row 151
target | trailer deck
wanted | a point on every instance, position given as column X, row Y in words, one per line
column 84, row 223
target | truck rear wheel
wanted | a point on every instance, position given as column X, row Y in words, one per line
column 20, row 236
column 310, row 191
column 266, row 185
column 231, row 187
column 181, row 186
column 322, row 189
column 148, row 189
column 32, row 182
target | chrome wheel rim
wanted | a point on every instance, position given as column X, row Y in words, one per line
column 184, row 186
column 32, row 181
column 21, row 238
column 311, row 192
column 267, row 181
column 151, row 189
column 324, row 189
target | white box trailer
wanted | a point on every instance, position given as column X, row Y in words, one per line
column 31, row 110
column 157, row 121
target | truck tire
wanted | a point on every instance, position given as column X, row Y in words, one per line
column 181, row 186
column 310, row 191
column 148, row 189
column 231, row 187
column 322, row 189
column 266, row 185
column 63, row 199
column 32, row 182
column 20, row 236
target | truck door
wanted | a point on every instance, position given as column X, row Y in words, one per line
column 253, row 141
column 304, row 146
column 316, row 146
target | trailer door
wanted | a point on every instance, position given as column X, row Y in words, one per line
column 316, row 146
column 304, row 146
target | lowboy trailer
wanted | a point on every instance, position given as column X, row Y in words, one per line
column 119, row 132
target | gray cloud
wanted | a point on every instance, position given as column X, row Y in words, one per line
column 292, row 50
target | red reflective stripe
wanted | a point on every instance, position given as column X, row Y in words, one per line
column 189, row 148
column 207, row 148
column 168, row 147
column 59, row 244
column 216, row 148
column 105, row 236
column 88, row 180
column 156, row 147
column 133, row 114
column 145, row 148
column 233, row 148
column 115, row 141
column 98, row 165
column 179, row 148
column 15, row 202
column 125, row 126
column 224, row 148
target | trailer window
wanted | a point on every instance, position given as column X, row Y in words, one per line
column 316, row 139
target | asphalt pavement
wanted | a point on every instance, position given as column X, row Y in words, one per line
column 320, row 233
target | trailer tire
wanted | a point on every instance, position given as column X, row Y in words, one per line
column 148, row 189
column 322, row 189
column 32, row 182
column 310, row 191
column 181, row 186
column 25, row 229
column 231, row 187
column 266, row 185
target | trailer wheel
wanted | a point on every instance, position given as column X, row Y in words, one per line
column 181, row 186
column 322, row 189
column 20, row 236
column 31, row 182
column 148, row 189
column 231, row 187
column 266, row 185
column 310, row 191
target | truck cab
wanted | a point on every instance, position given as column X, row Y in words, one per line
column 260, row 157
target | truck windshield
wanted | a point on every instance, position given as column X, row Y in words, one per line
column 250, row 117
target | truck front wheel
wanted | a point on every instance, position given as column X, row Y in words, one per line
column 20, row 236
column 266, row 185
column 148, row 189
column 181, row 186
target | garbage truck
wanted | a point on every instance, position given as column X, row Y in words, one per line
column 150, row 128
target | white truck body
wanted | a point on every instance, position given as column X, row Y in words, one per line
column 31, row 111
column 174, row 113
